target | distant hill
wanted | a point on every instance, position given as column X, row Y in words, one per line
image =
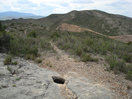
column 16, row 15
column 98, row 21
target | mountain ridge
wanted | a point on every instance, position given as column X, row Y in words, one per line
column 99, row 21
column 109, row 24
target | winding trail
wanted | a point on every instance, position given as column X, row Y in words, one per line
column 68, row 66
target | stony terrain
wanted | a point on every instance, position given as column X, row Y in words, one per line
column 68, row 66
column 29, row 82
column 32, row 82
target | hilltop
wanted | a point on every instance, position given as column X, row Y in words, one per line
column 105, row 23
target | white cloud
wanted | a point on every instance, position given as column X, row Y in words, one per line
column 44, row 7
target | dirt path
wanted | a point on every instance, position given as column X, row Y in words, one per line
column 64, row 63
column 75, row 28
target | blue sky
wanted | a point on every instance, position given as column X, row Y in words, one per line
column 46, row 7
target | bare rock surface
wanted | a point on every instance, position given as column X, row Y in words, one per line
column 86, row 89
column 30, row 81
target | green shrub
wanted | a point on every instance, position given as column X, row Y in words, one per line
column 116, row 64
column 127, row 68
column 14, row 63
column 33, row 51
column 49, row 64
column 13, row 85
column 78, row 51
column 30, row 57
column 4, row 41
column 23, row 46
column 87, row 57
column 129, row 87
column 127, row 58
column 27, row 56
column 38, row 60
column 32, row 34
column 9, row 69
column 8, row 60
column 129, row 75
column 129, row 43
column 18, row 78
column 55, row 35
column 12, row 24
column 1, row 27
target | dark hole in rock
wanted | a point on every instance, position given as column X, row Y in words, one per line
column 58, row 80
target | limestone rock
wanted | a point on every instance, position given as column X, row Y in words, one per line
column 85, row 89
column 29, row 82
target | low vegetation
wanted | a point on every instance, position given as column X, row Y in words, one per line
column 38, row 60
column 32, row 34
column 28, row 46
column 116, row 64
column 9, row 69
column 14, row 85
column 8, row 60
column 29, row 43
column 86, row 57
column 117, row 54
column 129, row 75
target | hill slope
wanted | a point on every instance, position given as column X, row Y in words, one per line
column 98, row 21
column 102, row 22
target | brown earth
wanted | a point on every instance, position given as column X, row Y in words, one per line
column 71, row 28
column 75, row 28
column 63, row 63
column 123, row 38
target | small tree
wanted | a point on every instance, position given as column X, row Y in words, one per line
column 32, row 34
column 4, row 39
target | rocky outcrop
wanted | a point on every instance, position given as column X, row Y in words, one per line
column 32, row 82
column 86, row 89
